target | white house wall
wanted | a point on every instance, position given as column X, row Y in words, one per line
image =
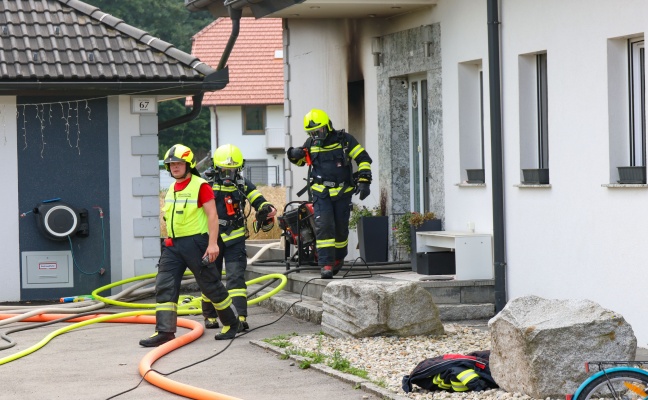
column 228, row 121
column 463, row 41
column 10, row 263
column 318, row 71
column 576, row 239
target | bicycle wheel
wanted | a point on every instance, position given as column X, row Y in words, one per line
column 616, row 385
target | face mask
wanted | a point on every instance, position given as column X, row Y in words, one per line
column 227, row 175
column 319, row 133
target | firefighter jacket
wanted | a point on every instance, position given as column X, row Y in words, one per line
column 331, row 172
column 181, row 212
column 452, row 372
column 230, row 204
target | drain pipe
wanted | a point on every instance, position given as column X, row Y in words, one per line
column 235, row 15
column 494, row 79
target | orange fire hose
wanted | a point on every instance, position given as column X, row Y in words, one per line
column 145, row 364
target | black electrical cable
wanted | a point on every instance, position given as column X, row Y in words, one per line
column 301, row 298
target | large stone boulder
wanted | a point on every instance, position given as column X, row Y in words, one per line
column 539, row 346
column 358, row 308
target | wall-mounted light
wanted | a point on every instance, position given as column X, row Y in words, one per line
column 376, row 49
column 427, row 39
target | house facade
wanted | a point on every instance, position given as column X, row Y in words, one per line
column 249, row 112
column 78, row 109
column 411, row 80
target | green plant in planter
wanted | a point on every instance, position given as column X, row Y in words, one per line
column 402, row 225
column 358, row 212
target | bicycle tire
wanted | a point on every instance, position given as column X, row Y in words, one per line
column 603, row 386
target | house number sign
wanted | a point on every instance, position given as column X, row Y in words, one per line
column 144, row 105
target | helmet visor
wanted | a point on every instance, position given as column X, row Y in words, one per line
column 319, row 133
column 227, row 174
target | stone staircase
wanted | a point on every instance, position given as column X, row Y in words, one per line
column 302, row 295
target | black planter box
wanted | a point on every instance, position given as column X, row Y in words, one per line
column 630, row 175
column 373, row 238
column 476, row 176
column 538, row 176
column 436, row 263
column 430, row 225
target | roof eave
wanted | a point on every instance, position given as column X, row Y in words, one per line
column 257, row 9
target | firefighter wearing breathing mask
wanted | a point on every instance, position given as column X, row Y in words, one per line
column 328, row 153
column 231, row 191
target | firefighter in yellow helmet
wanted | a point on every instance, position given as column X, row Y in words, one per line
column 329, row 153
column 231, row 191
column 192, row 242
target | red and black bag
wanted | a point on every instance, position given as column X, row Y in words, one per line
column 452, row 372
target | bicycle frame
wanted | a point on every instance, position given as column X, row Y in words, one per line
column 605, row 371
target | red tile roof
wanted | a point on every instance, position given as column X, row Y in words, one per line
column 256, row 76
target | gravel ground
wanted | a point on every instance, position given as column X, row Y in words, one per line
column 388, row 359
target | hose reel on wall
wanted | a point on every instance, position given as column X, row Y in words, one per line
column 57, row 220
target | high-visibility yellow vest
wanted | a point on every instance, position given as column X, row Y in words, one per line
column 181, row 212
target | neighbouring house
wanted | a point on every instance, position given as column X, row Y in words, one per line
column 249, row 112
column 434, row 88
column 78, row 109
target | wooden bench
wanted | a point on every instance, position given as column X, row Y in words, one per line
column 473, row 251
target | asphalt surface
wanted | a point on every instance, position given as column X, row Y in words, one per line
column 101, row 360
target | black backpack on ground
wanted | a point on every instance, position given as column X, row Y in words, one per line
column 451, row 372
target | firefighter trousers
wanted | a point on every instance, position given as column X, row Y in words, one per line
column 235, row 258
column 331, row 228
column 186, row 252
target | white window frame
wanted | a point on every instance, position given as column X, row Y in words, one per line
column 534, row 111
column 471, row 117
column 636, row 97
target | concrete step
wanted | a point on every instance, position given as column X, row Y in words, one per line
column 456, row 300
column 310, row 309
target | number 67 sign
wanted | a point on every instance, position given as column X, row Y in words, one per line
column 143, row 105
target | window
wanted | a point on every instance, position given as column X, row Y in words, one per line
column 471, row 121
column 627, row 109
column 637, row 95
column 534, row 119
column 254, row 120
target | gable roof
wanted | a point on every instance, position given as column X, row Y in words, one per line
column 256, row 74
column 68, row 45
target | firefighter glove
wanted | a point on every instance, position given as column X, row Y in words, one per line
column 296, row 153
column 363, row 190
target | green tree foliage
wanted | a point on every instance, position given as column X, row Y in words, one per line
column 172, row 22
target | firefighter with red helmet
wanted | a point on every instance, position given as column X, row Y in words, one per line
column 192, row 242
column 231, row 191
column 332, row 183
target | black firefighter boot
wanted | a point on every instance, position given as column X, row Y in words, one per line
column 337, row 266
column 327, row 272
column 211, row 323
column 158, row 338
column 230, row 324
